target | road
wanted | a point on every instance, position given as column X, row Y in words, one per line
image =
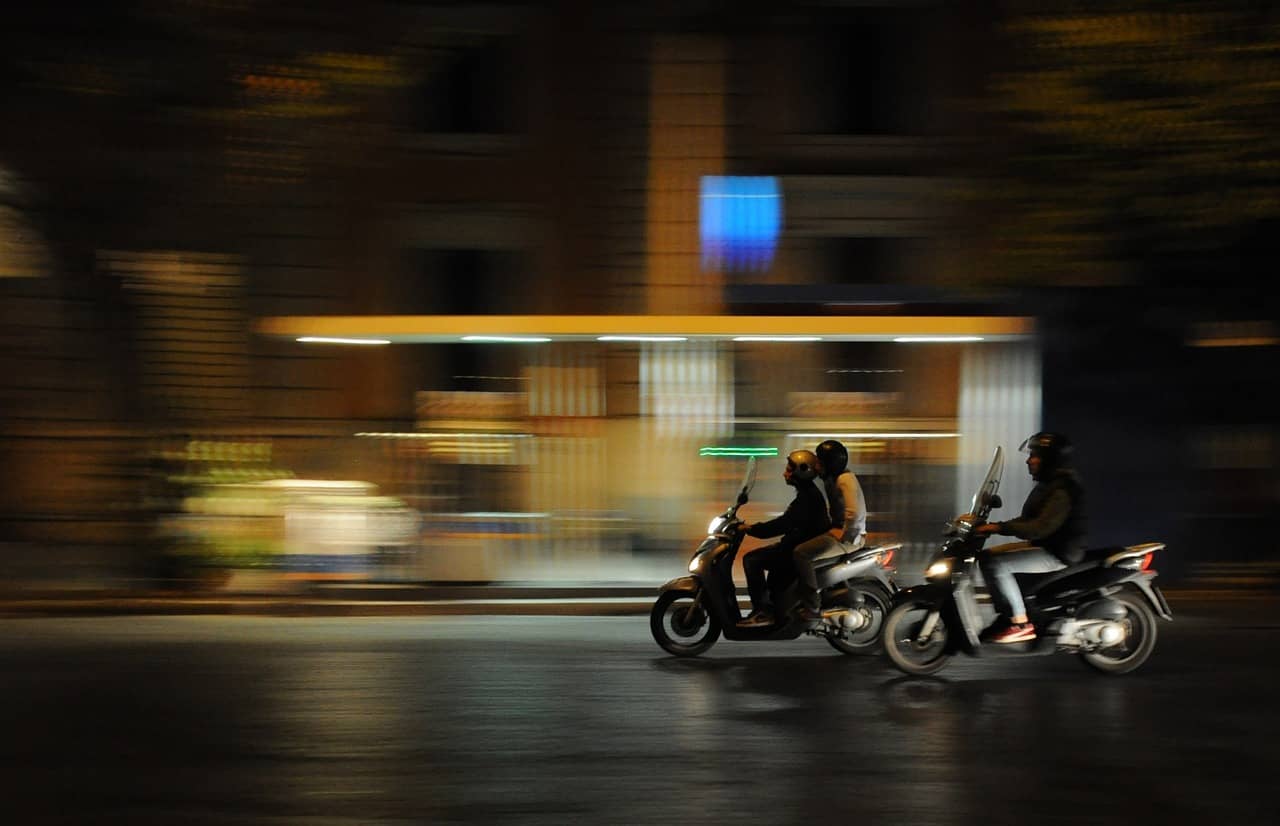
column 511, row 719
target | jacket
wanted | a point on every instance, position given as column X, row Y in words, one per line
column 804, row 518
column 1053, row 517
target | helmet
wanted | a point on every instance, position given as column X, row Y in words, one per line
column 803, row 465
column 1053, row 449
column 834, row 457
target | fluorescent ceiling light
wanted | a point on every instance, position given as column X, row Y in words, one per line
column 641, row 338
column 328, row 340
column 509, row 339
column 777, row 338
column 935, row 339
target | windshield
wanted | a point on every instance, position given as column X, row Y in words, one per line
column 981, row 505
column 748, row 478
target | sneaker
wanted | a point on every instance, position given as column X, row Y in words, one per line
column 757, row 619
column 1023, row 632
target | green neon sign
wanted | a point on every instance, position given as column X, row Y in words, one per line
column 738, row 451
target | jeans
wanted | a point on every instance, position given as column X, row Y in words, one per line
column 1000, row 563
column 808, row 577
column 776, row 560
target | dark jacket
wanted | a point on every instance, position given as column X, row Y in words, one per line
column 1053, row 517
column 804, row 518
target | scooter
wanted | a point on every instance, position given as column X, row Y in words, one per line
column 1103, row 608
column 693, row 611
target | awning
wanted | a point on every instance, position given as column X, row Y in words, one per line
column 418, row 329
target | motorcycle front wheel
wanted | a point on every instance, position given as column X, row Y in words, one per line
column 681, row 625
column 906, row 649
column 1139, row 625
column 871, row 604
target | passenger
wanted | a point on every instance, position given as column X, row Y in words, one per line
column 847, row 525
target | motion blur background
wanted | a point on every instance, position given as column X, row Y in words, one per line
column 1074, row 208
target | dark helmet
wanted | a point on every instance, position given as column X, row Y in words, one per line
column 834, row 457
column 1053, row 450
column 803, row 465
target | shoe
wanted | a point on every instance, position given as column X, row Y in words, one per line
column 1023, row 632
column 757, row 619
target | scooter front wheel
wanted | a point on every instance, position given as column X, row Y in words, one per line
column 915, row 638
column 681, row 625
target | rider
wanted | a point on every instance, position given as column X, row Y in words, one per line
column 1053, row 522
column 847, row 526
column 804, row 518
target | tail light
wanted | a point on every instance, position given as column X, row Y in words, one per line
column 1146, row 561
column 886, row 558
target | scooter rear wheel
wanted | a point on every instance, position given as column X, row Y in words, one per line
column 871, row 604
column 1139, row 624
column 681, row 625
column 902, row 642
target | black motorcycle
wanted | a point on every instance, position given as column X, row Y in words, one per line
column 1103, row 608
column 692, row 611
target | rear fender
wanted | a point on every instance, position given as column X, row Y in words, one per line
column 1145, row 583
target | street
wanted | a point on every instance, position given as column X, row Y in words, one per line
column 555, row 719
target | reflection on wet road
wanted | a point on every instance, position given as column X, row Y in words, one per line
column 582, row 719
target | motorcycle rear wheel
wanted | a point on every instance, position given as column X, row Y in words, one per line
column 872, row 603
column 901, row 643
column 682, row 626
column 1138, row 643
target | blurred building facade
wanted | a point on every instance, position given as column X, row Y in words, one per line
column 216, row 165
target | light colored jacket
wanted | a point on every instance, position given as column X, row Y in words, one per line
column 847, row 505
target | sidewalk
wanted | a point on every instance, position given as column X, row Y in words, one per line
column 372, row 600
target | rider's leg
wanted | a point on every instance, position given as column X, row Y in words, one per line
column 1002, row 562
column 807, row 574
column 754, row 565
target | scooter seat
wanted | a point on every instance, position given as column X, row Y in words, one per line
column 1093, row 558
column 838, row 553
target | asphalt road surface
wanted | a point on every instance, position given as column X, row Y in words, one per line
column 510, row 719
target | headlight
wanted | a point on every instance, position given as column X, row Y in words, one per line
column 938, row 570
column 715, row 525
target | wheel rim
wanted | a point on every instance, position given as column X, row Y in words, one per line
column 872, row 609
column 1136, row 634
column 905, row 641
column 684, row 625
column 685, row 621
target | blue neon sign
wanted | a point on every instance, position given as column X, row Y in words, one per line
column 739, row 221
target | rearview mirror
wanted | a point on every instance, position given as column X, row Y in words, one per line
column 996, row 501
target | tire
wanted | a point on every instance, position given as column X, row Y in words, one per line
column 901, row 628
column 872, row 602
column 1140, row 638
column 681, row 626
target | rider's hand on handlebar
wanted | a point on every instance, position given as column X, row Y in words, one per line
column 988, row 529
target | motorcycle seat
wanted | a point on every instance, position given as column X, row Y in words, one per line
column 838, row 554
column 1093, row 558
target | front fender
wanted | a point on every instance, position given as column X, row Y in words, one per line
column 681, row 583
column 931, row 592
